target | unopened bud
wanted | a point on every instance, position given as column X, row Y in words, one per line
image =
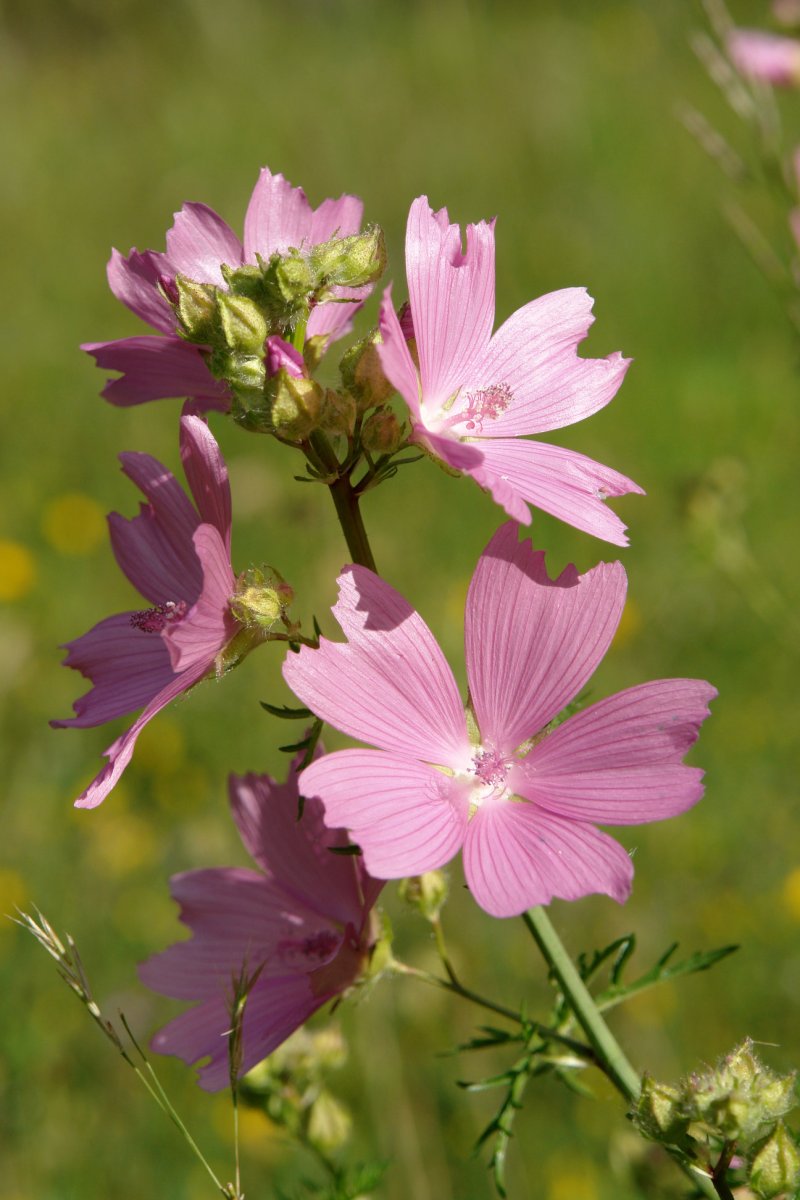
column 296, row 279
column 426, row 893
column 658, row 1112
column 196, row 309
column 262, row 597
column 282, row 356
column 351, row 261
column 381, row 433
column 776, row 1167
column 741, row 1096
column 295, row 406
column 243, row 327
column 362, row 374
column 313, row 351
column 337, row 413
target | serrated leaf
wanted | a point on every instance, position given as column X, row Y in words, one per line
column 661, row 972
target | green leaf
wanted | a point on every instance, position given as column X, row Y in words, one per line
column 285, row 712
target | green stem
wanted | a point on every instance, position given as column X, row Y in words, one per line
column 580, row 1000
column 452, row 985
column 609, row 1054
column 345, row 500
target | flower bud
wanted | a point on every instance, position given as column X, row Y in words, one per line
column 362, row 374
column 426, row 893
column 381, row 433
column 313, row 351
column 740, row 1097
column 196, row 310
column 296, row 279
column 658, row 1113
column 282, row 356
column 243, row 327
column 337, row 413
column 776, row 1167
column 295, row 406
column 262, row 597
column 351, row 261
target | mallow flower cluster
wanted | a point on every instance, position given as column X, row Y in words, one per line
column 507, row 778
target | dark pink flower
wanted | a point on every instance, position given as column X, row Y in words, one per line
column 768, row 57
column 475, row 395
column 302, row 922
column 278, row 217
column 177, row 554
column 519, row 797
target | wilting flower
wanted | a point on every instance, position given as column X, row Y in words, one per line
column 766, row 56
column 178, row 556
column 278, row 218
column 521, row 797
column 475, row 395
column 300, row 927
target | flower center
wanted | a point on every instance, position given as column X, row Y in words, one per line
column 308, row 953
column 475, row 408
column 490, row 772
column 153, row 620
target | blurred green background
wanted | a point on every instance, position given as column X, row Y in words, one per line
column 561, row 120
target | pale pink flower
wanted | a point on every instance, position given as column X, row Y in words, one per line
column 178, row 556
column 768, row 57
column 518, row 797
column 278, row 217
column 302, row 922
column 475, row 395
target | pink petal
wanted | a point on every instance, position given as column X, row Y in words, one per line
column 199, row 241
column 765, row 56
column 516, row 856
column 532, row 642
column 274, row 1009
column 335, row 317
column 155, row 548
column 406, row 816
column 336, row 218
column 389, row 684
column 119, row 752
column 398, row 365
column 452, row 297
column 278, row 217
column 561, row 482
column 134, row 281
column 237, row 918
column 209, row 626
column 535, row 355
column 296, row 851
column 127, row 668
column 619, row 762
column 154, row 368
column 207, row 475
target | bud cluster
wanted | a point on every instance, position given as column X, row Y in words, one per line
column 735, row 1109
column 259, row 304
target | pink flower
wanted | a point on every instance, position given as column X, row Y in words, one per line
column 278, row 217
column 475, row 395
column 519, row 796
column 178, row 556
column 766, row 56
column 303, row 921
